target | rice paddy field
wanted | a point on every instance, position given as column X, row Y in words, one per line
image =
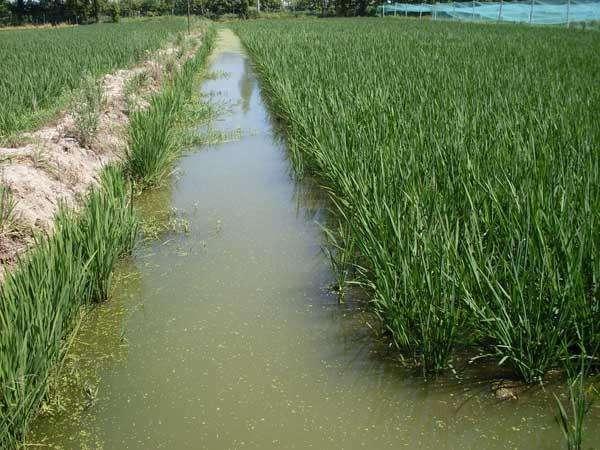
column 41, row 67
column 463, row 165
column 454, row 169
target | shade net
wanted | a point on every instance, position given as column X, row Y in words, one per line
column 534, row 12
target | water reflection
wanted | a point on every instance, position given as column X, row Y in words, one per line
column 247, row 83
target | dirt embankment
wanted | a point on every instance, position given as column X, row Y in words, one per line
column 52, row 167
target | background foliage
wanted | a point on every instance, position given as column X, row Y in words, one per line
column 19, row 12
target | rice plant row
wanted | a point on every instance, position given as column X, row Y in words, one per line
column 463, row 162
column 158, row 134
column 40, row 68
column 41, row 299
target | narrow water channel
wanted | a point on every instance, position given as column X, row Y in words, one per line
column 232, row 340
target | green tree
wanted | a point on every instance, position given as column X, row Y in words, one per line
column 5, row 13
column 78, row 10
column 243, row 11
column 19, row 11
column 268, row 5
column 4, row 9
column 216, row 8
column 95, row 10
column 113, row 9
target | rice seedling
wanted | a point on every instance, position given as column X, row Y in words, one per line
column 463, row 160
column 571, row 419
column 41, row 68
column 572, row 424
column 40, row 300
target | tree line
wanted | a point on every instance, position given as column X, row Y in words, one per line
column 21, row 12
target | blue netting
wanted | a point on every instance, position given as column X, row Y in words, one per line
column 534, row 12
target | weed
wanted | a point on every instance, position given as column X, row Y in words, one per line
column 86, row 110
column 136, row 82
column 7, row 210
column 133, row 87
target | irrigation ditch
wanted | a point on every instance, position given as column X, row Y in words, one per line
column 222, row 330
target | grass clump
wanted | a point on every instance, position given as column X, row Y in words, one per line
column 466, row 174
column 87, row 107
column 132, row 90
column 7, row 210
column 40, row 300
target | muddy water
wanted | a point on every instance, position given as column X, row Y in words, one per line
column 232, row 340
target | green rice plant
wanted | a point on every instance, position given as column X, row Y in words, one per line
column 40, row 300
column 41, row 68
column 520, row 300
column 152, row 140
column 107, row 229
column 157, row 134
column 341, row 251
column 572, row 425
column 572, row 418
column 37, row 304
column 462, row 159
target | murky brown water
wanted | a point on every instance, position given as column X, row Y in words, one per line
column 231, row 340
